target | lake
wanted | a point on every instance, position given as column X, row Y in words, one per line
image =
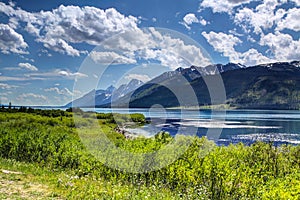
column 224, row 127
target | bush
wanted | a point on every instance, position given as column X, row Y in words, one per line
column 259, row 171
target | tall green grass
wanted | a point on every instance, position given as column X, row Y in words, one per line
column 259, row 171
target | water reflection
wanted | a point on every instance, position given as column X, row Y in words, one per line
column 247, row 126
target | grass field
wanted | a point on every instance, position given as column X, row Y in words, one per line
column 46, row 155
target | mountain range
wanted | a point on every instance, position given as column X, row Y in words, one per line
column 103, row 97
column 265, row 86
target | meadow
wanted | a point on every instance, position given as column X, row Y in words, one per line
column 45, row 154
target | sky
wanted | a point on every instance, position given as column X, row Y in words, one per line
column 53, row 51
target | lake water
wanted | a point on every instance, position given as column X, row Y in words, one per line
column 224, row 127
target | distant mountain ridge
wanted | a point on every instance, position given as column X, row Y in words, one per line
column 195, row 72
column 102, row 97
column 269, row 86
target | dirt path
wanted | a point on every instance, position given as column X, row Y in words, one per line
column 17, row 185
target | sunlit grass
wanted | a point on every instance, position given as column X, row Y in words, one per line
column 50, row 154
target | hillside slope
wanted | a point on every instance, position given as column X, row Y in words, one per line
column 271, row 86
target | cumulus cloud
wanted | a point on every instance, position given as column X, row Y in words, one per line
column 297, row 2
column 11, row 41
column 28, row 66
column 266, row 20
column 133, row 46
column 263, row 17
column 251, row 57
column 225, row 44
column 142, row 77
column 70, row 74
column 64, row 91
column 191, row 18
column 32, row 29
column 219, row 6
column 282, row 46
column 188, row 19
column 110, row 58
column 59, row 45
column 66, row 25
column 174, row 52
column 291, row 21
column 203, row 22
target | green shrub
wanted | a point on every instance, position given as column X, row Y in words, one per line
column 204, row 170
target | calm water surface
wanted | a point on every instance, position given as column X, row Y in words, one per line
column 225, row 127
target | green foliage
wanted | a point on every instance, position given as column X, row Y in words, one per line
column 203, row 171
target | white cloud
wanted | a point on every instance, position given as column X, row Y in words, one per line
column 11, row 41
column 235, row 33
column 150, row 44
column 64, row 91
column 66, row 25
column 59, row 45
column 142, row 77
column 219, row 6
column 225, row 44
column 203, row 22
column 110, row 58
column 70, row 74
column 174, row 52
column 291, row 21
column 13, row 23
column 7, row 9
column 12, row 4
column 32, row 29
column 54, row 74
column 32, row 99
column 5, row 86
column 68, row 92
column 188, row 19
column 282, row 46
column 53, row 89
column 297, row 2
column 251, row 57
column 191, row 18
column 18, row 78
column 263, row 17
column 28, row 66
column 7, row 93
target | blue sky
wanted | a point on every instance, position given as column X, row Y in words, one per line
column 51, row 51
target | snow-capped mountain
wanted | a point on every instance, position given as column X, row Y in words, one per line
column 281, row 66
column 127, row 88
column 195, row 72
column 266, row 86
column 105, row 96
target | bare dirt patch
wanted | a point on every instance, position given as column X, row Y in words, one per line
column 17, row 185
